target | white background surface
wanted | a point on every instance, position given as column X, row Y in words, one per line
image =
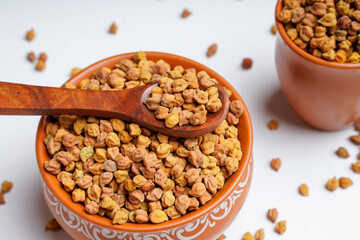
column 74, row 33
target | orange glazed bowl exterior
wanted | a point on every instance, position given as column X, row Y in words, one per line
column 208, row 222
column 325, row 94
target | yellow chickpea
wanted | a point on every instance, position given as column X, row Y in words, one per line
column 158, row 216
column 121, row 216
column 112, row 140
column 92, row 129
column 117, row 124
column 100, row 155
column 171, row 120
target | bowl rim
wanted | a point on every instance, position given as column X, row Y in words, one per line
column 52, row 183
column 302, row 53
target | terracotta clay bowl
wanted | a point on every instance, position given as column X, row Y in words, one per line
column 208, row 222
column 322, row 93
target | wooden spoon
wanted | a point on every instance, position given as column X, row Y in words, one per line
column 20, row 99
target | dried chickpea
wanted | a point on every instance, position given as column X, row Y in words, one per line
column 158, row 216
column 248, row 236
column 171, row 120
column 272, row 215
column 345, row 182
column 78, row 195
column 6, row 186
column 121, row 216
column 304, row 190
column 332, row 184
column 280, row 227
column 172, row 212
column 167, row 199
column 134, row 130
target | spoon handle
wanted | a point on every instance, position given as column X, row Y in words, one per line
column 20, row 99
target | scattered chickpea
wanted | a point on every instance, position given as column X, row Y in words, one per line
column 75, row 71
column 113, row 28
column 186, row 13
column 212, row 49
column 304, row 190
column 247, row 63
column 332, row 184
column 40, row 65
column 248, row 236
column 273, row 125
column 6, row 186
column 345, row 182
column 272, row 215
column 31, row 56
column 221, row 237
column 260, row 235
column 275, row 164
column 30, row 35
column 273, row 29
column 280, row 227
column 342, row 152
column 52, row 225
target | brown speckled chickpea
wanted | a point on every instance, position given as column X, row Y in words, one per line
column 205, row 198
column 184, row 117
column 65, row 158
column 154, row 195
column 141, row 216
column 92, row 208
column 193, row 204
column 195, row 157
column 198, row 189
column 160, row 178
column 188, row 95
column 52, row 166
column 236, row 108
column 211, row 184
column 161, row 112
column 85, row 182
column 136, row 196
column 172, row 212
column 167, row 100
column 198, row 118
column 182, row 203
column 153, row 102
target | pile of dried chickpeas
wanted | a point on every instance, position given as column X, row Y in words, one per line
column 327, row 29
column 128, row 173
column 184, row 97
